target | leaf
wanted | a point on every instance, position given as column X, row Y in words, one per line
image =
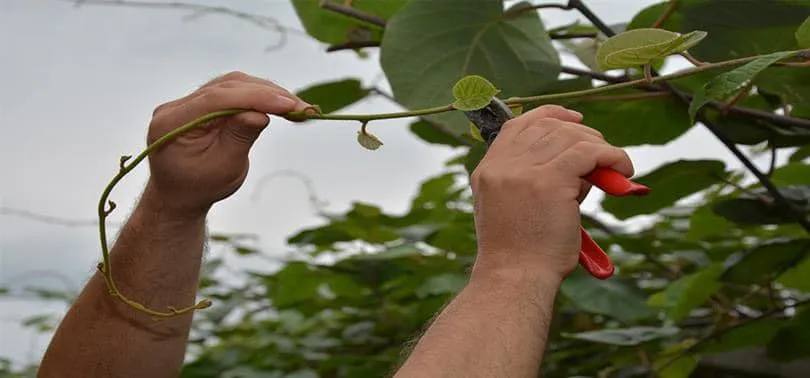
column 680, row 368
column 368, row 140
column 797, row 276
column 473, row 92
column 790, row 343
column 791, row 174
column 294, row 283
column 688, row 292
column 625, row 336
column 748, row 210
column 646, row 121
column 334, row 95
column 612, row 297
column 765, row 261
column 475, row 132
column 448, row 283
column 474, row 156
column 726, row 84
column 391, row 253
column 638, row 47
column 333, row 28
column 739, row 28
column 800, row 154
column 704, row 223
column 669, row 183
column 431, row 134
column 429, row 45
column 803, row 34
column 791, row 85
column 750, row 335
column 648, row 16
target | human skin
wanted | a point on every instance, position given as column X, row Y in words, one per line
column 527, row 191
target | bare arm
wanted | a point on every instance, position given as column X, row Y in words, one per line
column 527, row 191
column 156, row 259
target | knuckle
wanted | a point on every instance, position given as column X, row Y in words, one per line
column 235, row 75
column 160, row 109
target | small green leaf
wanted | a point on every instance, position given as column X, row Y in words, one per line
column 669, row 183
column 688, row 292
column 476, row 133
column 800, row 154
column 803, row 34
column 765, row 261
column 625, row 336
column 727, row 84
column 473, row 92
column 369, row 141
column 638, row 47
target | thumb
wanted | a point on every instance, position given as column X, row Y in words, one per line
column 242, row 130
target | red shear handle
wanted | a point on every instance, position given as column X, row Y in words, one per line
column 614, row 183
column 593, row 258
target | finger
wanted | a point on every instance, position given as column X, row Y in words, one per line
column 242, row 130
column 544, row 142
column 521, row 122
column 241, row 77
column 249, row 97
column 585, row 156
column 584, row 189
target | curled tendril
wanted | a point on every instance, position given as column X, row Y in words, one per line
column 123, row 161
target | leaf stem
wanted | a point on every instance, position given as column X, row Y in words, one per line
column 673, row 5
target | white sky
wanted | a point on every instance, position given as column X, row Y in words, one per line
column 78, row 90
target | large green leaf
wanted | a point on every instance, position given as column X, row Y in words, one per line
column 669, row 183
column 749, row 335
column 448, row 283
column 333, row 28
column 750, row 210
column 334, row 95
column 431, row 134
column 635, row 122
column 791, row 342
column 729, row 83
column 625, row 336
column 688, row 292
column 612, row 297
column 791, row 174
column 429, row 45
column 765, row 261
column 704, row 223
column 791, row 84
column 738, row 28
column 797, row 277
column 803, row 34
column 295, row 283
column 638, row 47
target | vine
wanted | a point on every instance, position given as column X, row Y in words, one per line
column 662, row 44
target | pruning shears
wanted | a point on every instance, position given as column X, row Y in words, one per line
column 489, row 121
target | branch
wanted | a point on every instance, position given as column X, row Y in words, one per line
column 352, row 45
column 571, row 35
column 673, row 5
column 726, row 330
column 199, row 10
column 353, row 13
column 776, row 119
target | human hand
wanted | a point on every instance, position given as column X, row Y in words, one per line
column 528, row 187
column 210, row 163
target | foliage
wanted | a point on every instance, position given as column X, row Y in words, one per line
column 718, row 264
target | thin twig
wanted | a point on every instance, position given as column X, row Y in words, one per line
column 691, row 59
column 673, row 5
column 353, row 13
column 776, row 119
column 557, row 36
column 352, row 45
column 726, row 330
column 199, row 10
column 772, row 165
column 438, row 126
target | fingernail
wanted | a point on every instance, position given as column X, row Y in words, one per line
column 576, row 113
column 286, row 102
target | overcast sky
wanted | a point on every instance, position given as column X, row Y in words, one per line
column 78, row 90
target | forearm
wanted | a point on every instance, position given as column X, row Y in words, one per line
column 496, row 327
column 155, row 261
